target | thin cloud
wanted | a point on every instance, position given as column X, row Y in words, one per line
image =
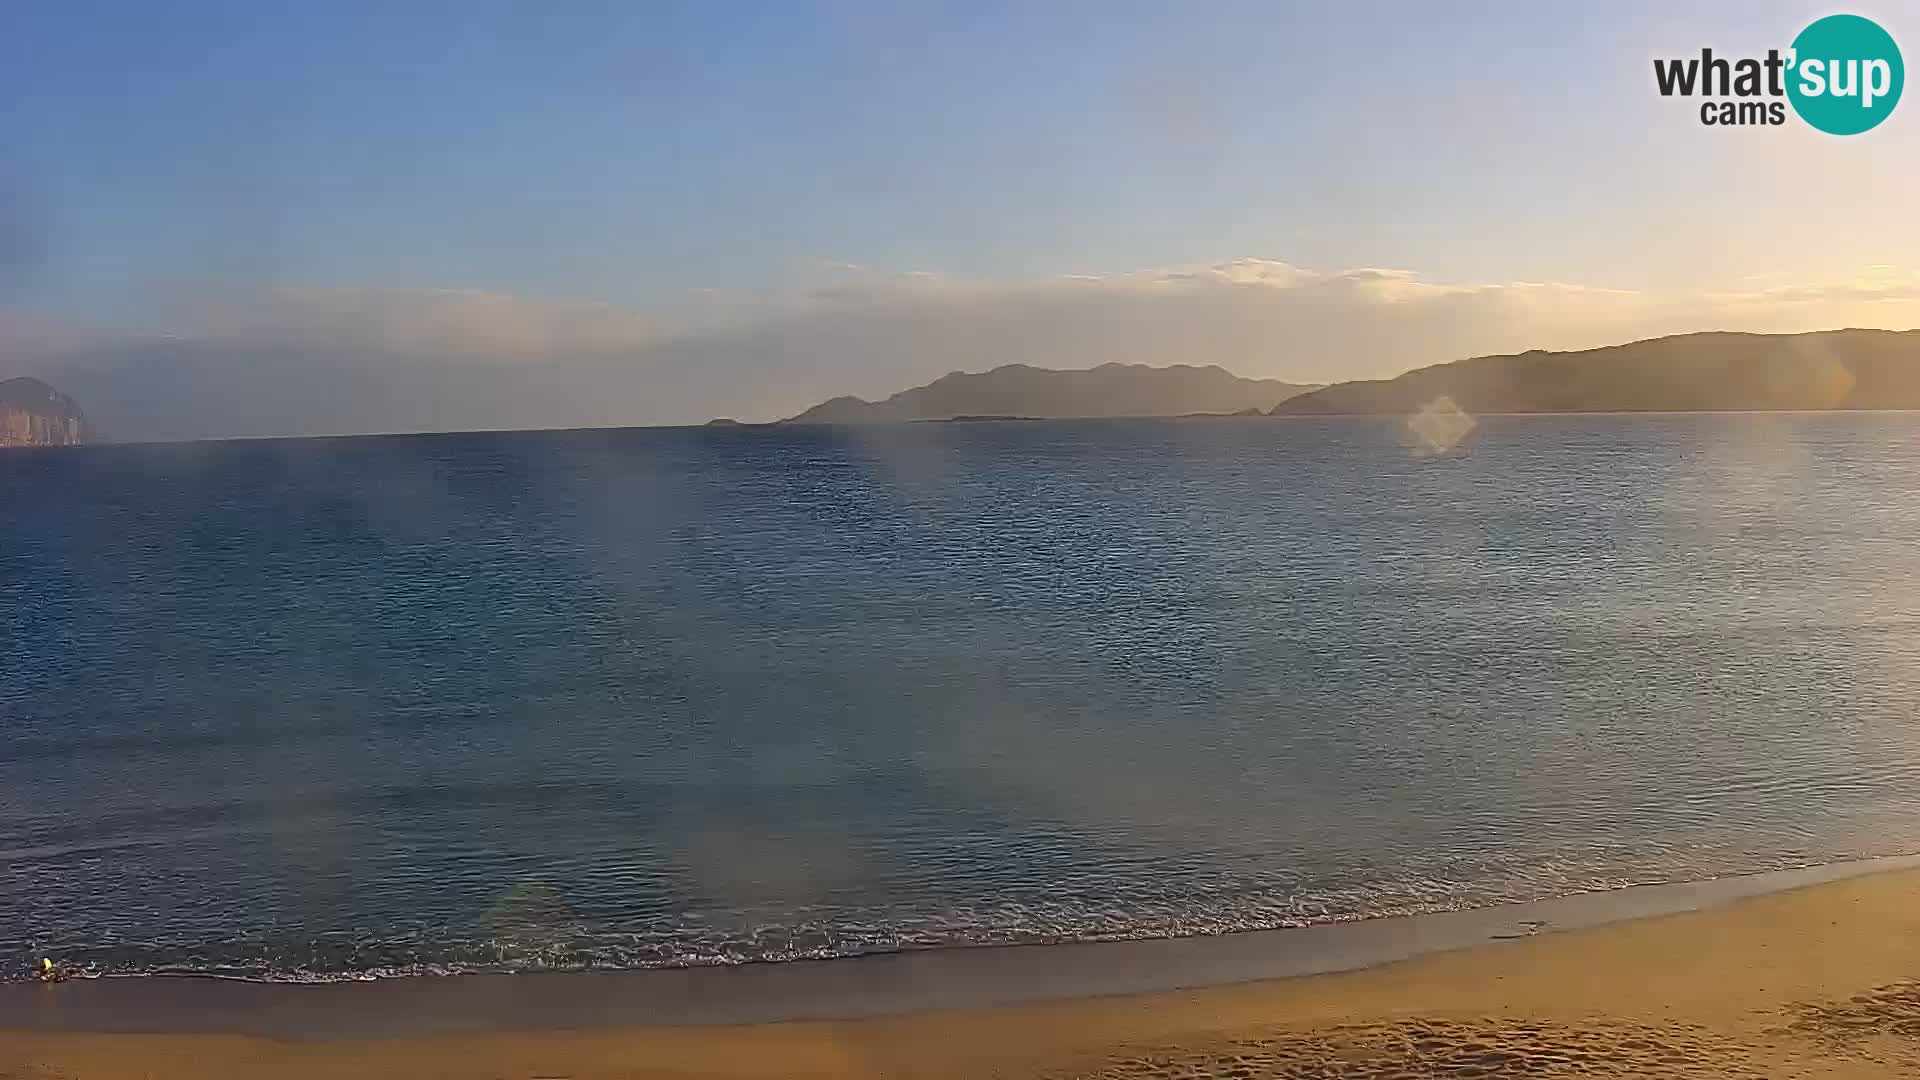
column 445, row 322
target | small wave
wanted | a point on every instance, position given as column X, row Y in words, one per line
column 499, row 957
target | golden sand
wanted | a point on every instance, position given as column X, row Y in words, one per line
column 1822, row 981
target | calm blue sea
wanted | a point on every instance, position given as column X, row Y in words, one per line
column 317, row 709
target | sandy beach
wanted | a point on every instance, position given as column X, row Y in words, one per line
column 1816, row 980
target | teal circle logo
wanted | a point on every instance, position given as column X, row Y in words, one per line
column 1845, row 74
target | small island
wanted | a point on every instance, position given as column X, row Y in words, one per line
column 35, row 414
column 1024, row 392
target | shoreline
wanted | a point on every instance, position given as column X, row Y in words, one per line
column 787, row 425
column 858, row 988
column 1819, row 979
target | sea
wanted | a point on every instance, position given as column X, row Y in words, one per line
column 338, row 709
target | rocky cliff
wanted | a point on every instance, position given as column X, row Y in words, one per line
column 35, row 414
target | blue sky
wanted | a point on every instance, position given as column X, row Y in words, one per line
column 656, row 156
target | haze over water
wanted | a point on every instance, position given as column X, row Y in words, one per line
column 330, row 708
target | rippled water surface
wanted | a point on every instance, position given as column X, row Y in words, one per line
column 328, row 708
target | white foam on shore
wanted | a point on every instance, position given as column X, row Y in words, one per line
column 846, row 988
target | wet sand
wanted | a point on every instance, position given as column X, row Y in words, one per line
column 1821, row 979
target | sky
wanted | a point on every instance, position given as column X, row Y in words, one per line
column 244, row 219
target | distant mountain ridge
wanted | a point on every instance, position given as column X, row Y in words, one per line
column 35, row 414
column 1110, row 390
column 1716, row 371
